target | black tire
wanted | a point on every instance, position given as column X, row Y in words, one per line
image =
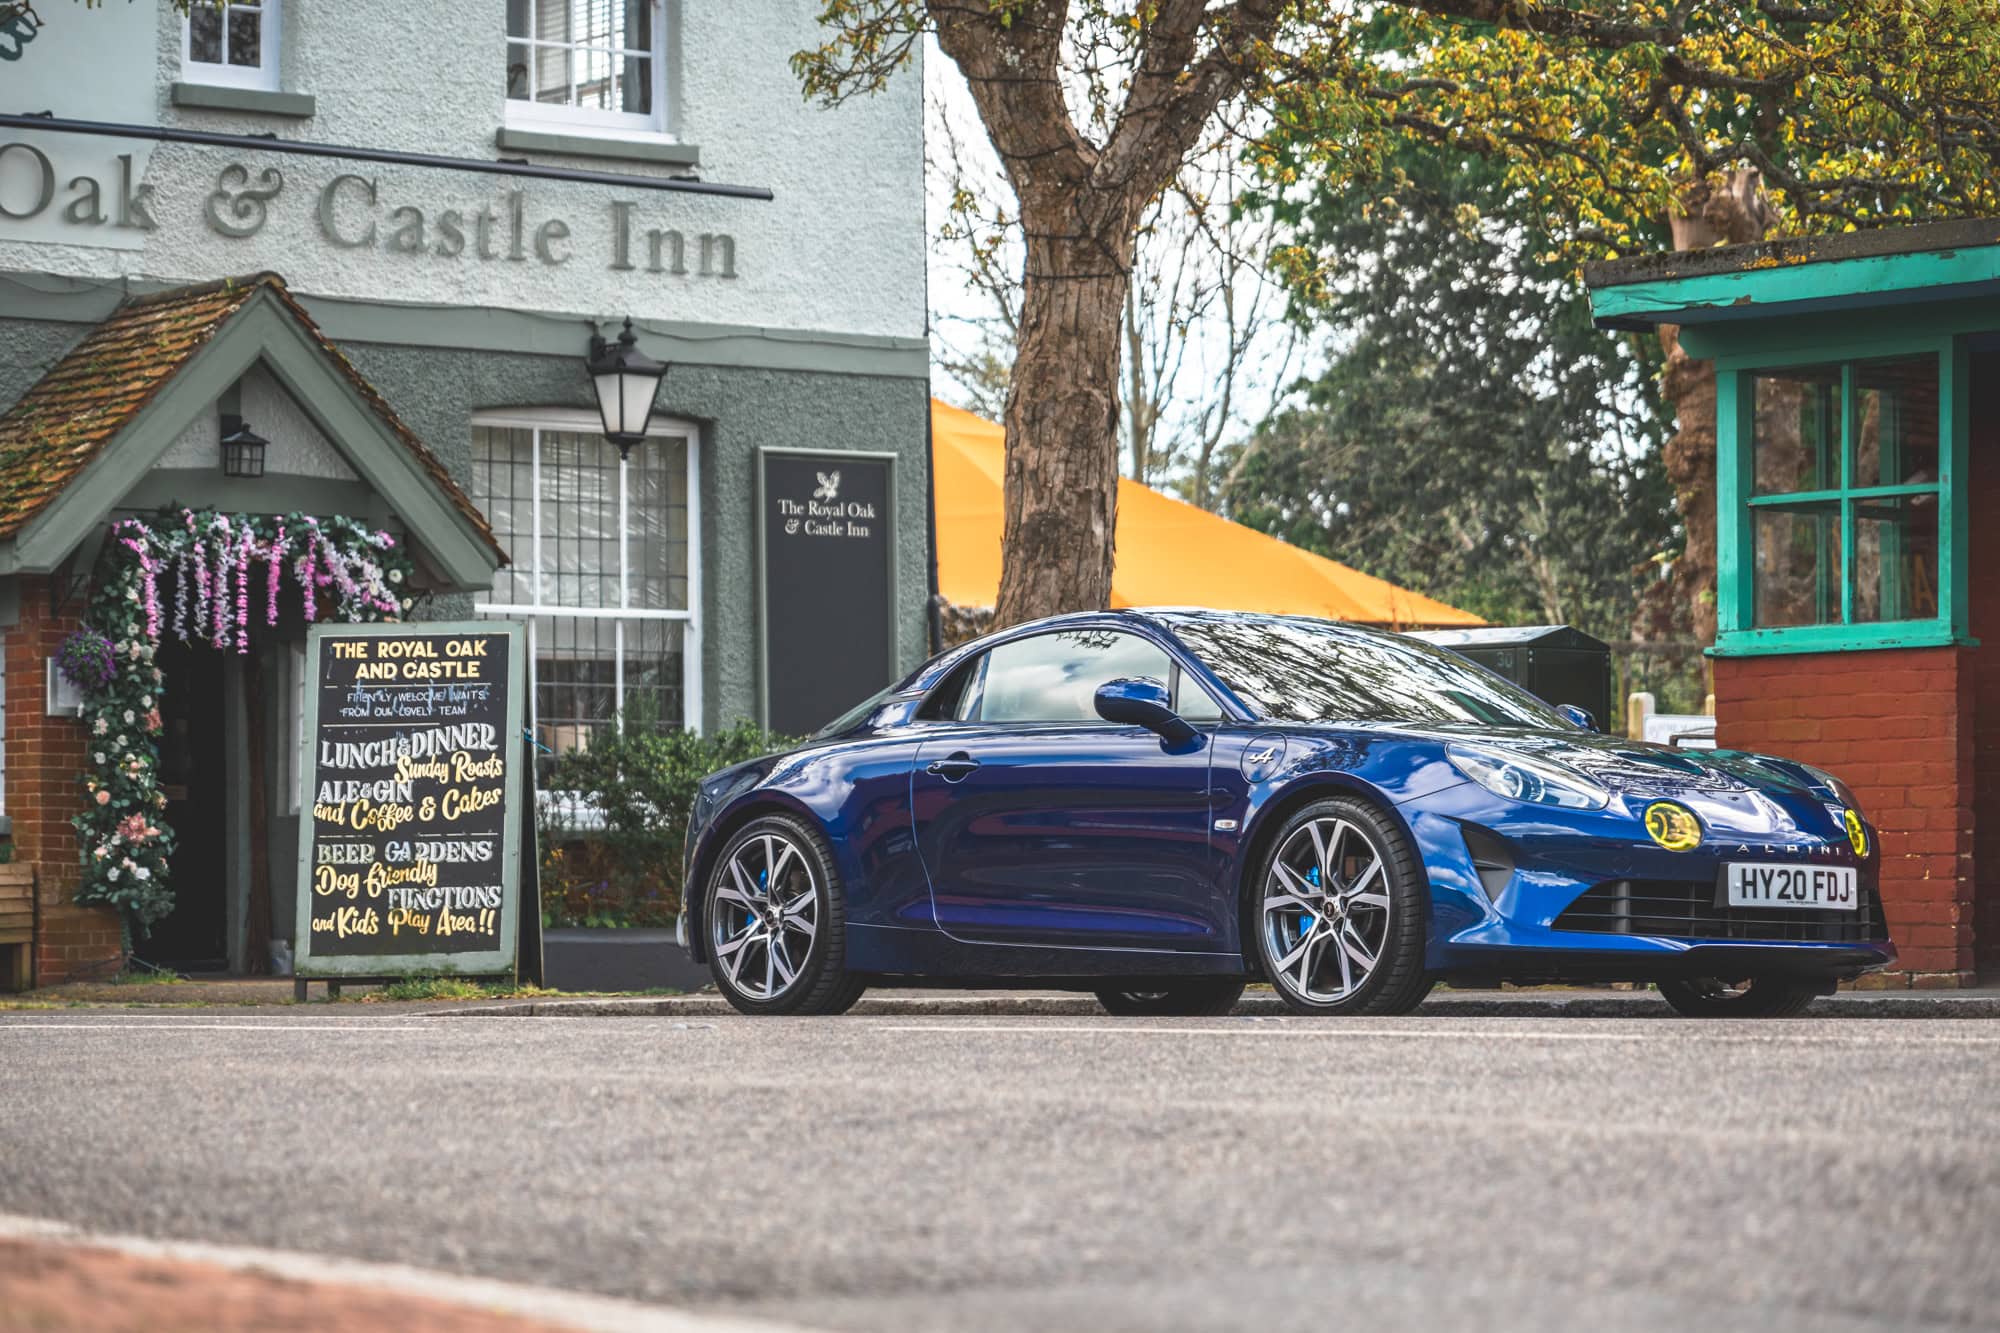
column 820, row 982
column 1206, row 997
column 1397, row 982
column 1760, row 997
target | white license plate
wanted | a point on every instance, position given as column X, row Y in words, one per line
column 1814, row 888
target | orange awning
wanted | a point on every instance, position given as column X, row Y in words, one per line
column 1169, row 553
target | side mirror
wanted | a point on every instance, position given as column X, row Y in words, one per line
column 1579, row 718
column 1142, row 701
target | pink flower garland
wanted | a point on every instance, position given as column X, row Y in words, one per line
column 275, row 566
column 219, row 628
column 244, row 543
column 201, row 585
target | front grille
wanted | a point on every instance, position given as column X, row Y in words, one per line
column 1686, row 909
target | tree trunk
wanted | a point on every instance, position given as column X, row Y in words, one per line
column 1729, row 210
column 1062, row 420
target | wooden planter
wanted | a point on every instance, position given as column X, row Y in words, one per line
column 17, row 927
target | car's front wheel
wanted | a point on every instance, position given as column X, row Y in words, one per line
column 776, row 922
column 1759, row 997
column 1209, row 997
column 1341, row 909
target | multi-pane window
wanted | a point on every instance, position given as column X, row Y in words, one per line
column 603, row 569
column 586, row 63
column 1844, row 492
column 232, row 43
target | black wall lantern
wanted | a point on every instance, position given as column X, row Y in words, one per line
column 627, row 380
column 242, row 449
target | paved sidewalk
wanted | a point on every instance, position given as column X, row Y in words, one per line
column 1982, row 1002
column 56, row 1278
column 252, row 993
column 50, row 1288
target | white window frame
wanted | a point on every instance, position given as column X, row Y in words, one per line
column 264, row 76
column 587, row 423
column 527, row 113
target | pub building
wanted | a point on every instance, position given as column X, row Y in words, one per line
column 1858, row 565
column 360, row 264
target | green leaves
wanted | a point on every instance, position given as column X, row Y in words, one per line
column 615, row 828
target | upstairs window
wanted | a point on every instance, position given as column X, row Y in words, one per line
column 593, row 65
column 233, row 43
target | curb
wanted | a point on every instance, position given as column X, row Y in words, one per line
column 1453, row 1004
column 584, row 1311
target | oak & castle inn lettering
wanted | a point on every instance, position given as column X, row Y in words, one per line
column 352, row 212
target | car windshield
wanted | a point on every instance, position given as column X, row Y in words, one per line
column 854, row 716
column 1296, row 670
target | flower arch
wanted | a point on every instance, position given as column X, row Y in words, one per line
column 192, row 574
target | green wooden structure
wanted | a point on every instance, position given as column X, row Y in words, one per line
column 1852, row 355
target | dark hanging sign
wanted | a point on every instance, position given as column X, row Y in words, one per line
column 410, row 859
column 827, row 549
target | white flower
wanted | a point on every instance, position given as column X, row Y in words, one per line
column 112, row 874
column 409, row 602
column 118, row 741
column 132, row 595
column 140, row 872
column 145, row 701
column 395, row 576
column 102, row 726
column 130, row 717
column 97, row 758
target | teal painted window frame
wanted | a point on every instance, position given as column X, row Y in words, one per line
column 1737, row 503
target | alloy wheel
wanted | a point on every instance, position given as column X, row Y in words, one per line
column 1326, row 910
column 766, row 915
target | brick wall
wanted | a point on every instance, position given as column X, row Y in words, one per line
column 1985, row 626
column 45, row 757
column 1898, row 727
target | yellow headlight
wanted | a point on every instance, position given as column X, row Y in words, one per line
column 1857, row 836
column 1674, row 827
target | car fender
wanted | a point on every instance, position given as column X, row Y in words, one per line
column 1394, row 773
column 856, row 795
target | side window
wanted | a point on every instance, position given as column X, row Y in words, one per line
column 1192, row 702
column 952, row 699
column 1054, row 677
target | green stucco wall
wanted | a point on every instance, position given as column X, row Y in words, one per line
column 438, row 390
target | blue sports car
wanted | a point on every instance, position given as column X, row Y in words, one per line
column 1161, row 806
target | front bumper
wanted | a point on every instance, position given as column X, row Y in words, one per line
column 1587, row 896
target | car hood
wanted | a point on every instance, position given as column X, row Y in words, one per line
column 1638, row 768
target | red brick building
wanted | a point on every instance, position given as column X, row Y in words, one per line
column 1858, row 539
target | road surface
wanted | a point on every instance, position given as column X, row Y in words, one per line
column 1090, row 1174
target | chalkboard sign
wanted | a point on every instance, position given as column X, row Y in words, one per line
column 827, row 546
column 411, row 808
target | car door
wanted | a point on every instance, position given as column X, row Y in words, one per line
column 1039, row 823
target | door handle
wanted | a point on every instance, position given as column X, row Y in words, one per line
column 953, row 767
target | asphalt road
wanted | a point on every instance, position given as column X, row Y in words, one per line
column 1099, row 1174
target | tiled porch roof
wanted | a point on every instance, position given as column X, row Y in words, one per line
column 65, row 421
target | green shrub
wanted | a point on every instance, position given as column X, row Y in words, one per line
column 640, row 779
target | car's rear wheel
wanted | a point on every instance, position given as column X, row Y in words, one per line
column 1758, row 997
column 1341, row 909
column 1208, row 997
column 776, row 917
